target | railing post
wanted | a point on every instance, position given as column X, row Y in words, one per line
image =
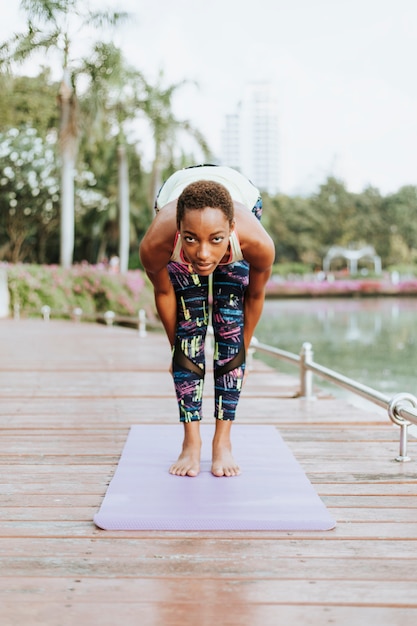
column 109, row 318
column 394, row 407
column 77, row 314
column 403, row 456
column 46, row 312
column 306, row 376
column 142, row 323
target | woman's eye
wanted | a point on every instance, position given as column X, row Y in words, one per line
column 218, row 239
column 189, row 239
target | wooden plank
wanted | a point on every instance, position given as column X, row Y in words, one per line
column 230, row 593
column 47, row 514
column 41, row 500
column 240, row 568
column 344, row 530
column 187, row 548
column 366, row 489
column 45, row 612
column 372, row 502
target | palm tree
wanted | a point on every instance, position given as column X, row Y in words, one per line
column 112, row 95
column 157, row 107
column 53, row 25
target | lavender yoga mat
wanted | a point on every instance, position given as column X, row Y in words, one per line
column 271, row 493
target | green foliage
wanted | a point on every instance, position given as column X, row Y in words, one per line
column 52, row 24
column 93, row 289
column 291, row 269
column 404, row 270
column 303, row 229
column 29, row 192
column 28, row 101
column 29, row 195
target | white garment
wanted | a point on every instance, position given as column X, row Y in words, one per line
column 239, row 187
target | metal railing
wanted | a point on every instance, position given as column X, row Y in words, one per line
column 109, row 317
column 401, row 408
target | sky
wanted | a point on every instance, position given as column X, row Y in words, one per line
column 345, row 71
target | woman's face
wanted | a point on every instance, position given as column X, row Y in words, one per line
column 205, row 238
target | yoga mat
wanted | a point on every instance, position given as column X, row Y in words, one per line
column 271, row 493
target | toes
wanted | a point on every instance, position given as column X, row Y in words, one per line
column 183, row 471
column 225, row 471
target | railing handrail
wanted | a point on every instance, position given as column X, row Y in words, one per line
column 331, row 375
column 401, row 408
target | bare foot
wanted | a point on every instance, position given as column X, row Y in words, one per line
column 188, row 462
column 223, row 463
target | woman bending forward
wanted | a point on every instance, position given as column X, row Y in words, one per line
column 207, row 226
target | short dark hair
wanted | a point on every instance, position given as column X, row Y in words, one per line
column 205, row 193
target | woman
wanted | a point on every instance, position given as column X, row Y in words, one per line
column 207, row 227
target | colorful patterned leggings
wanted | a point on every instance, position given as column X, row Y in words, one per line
column 188, row 363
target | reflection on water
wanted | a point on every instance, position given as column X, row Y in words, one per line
column 372, row 340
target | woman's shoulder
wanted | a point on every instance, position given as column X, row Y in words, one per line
column 156, row 245
column 256, row 244
column 246, row 221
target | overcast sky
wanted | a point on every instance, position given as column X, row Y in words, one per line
column 345, row 70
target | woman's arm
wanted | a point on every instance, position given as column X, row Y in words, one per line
column 165, row 302
column 155, row 252
column 259, row 250
column 254, row 302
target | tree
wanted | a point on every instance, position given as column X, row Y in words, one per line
column 54, row 24
column 291, row 223
column 29, row 194
column 400, row 213
column 29, row 101
column 112, row 95
column 334, row 206
column 157, row 107
column 368, row 223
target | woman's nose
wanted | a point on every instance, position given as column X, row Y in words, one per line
column 203, row 251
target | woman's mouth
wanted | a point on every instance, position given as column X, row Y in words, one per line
column 202, row 268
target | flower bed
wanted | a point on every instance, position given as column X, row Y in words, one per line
column 93, row 289
column 345, row 287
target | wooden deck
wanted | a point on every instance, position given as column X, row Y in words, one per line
column 69, row 393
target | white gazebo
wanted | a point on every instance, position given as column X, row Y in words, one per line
column 352, row 257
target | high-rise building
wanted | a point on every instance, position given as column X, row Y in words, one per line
column 250, row 137
column 231, row 141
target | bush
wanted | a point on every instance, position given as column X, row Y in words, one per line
column 291, row 269
column 404, row 270
column 93, row 289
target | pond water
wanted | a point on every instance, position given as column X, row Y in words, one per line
column 372, row 340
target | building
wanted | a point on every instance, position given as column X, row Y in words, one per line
column 250, row 137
